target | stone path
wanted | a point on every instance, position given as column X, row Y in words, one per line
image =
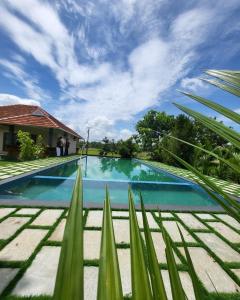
column 20, row 168
column 230, row 188
column 30, row 243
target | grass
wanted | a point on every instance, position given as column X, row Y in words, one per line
column 95, row 152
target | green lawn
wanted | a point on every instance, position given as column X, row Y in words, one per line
column 95, row 151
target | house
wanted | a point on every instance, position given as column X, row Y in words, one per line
column 34, row 120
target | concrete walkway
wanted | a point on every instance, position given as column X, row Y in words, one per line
column 30, row 244
column 228, row 187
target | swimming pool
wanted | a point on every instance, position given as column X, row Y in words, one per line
column 158, row 187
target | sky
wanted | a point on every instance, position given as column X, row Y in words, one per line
column 104, row 63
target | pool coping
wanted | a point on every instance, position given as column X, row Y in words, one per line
column 93, row 205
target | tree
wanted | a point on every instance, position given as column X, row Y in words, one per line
column 106, row 148
column 127, row 148
column 160, row 124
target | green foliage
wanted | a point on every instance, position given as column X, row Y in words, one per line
column 28, row 149
column 69, row 280
column 39, row 148
column 109, row 280
column 128, row 148
column 26, row 145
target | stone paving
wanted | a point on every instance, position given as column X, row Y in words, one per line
column 30, row 243
column 19, row 168
column 230, row 188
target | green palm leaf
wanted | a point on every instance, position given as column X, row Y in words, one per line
column 141, row 289
column 230, row 205
column 234, row 167
column 225, row 132
column 154, row 270
column 226, row 87
column 226, row 76
column 109, row 279
column 176, row 285
column 69, row 280
column 219, row 108
column 196, row 286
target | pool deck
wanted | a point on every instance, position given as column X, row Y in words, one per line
column 31, row 237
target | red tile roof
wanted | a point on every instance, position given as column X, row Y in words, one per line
column 30, row 115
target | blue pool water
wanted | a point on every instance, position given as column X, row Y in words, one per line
column 157, row 187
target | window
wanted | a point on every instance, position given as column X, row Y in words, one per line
column 8, row 140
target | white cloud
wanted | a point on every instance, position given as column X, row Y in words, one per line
column 111, row 92
column 192, row 84
column 14, row 71
column 7, row 99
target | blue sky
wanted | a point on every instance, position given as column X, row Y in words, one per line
column 103, row 64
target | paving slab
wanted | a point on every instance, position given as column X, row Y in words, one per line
column 92, row 243
column 186, row 283
column 159, row 246
column 172, row 229
column 191, row 221
column 206, row 216
column 166, row 215
column 90, row 283
column 151, row 221
column 229, row 220
column 219, row 247
column 225, row 231
column 121, row 231
column 6, row 275
column 210, row 273
column 236, row 272
column 120, row 213
column 57, row 235
column 94, row 218
column 6, row 211
column 27, row 211
column 21, row 248
column 10, row 225
column 48, row 217
column 39, row 279
column 125, row 270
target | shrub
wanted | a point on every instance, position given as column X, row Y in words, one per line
column 28, row 149
column 127, row 148
column 39, row 148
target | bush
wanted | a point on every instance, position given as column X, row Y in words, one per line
column 28, row 149
column 39, row 148
column 127, row 148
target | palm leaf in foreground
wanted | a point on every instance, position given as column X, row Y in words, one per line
column 154, row 270
column 175, row 281
column 196, row 286
column 234, row 167
column 141, row 289
column 230, row 205
column 109, row 280
column 69, row 280
column 227, row 133
column 217, row 107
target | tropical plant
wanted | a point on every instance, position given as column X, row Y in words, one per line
column 229, row 81
column 26, row 145
column 69, row 280
column 128, row 148
column 39, row 148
